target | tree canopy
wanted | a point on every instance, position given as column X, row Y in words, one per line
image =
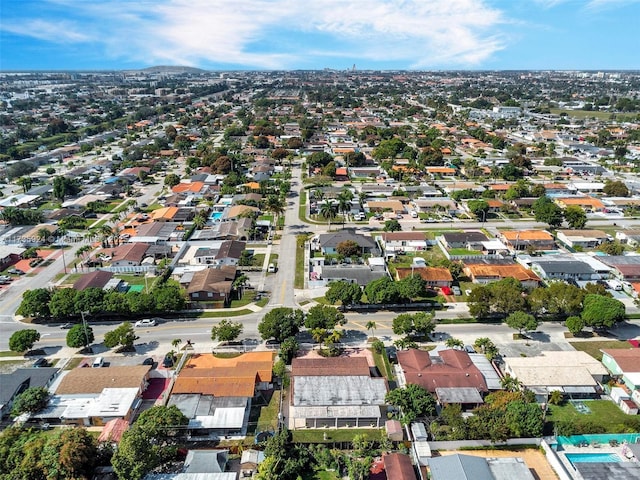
column 78, row 337
column 602, row 312
column 324, row 316
column 23, row 340
column 413, row 401
column 32, row 400
column 226, row 330
column 347, row 293
column 281, row 323
column 417, row 324
column 123, row 335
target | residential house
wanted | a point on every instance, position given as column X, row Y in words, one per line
column 575, row 373
column 582, row 238
column 395, row 206
column 94, row 396
column 212, row 284
column 448, row 368
column 197, row 190
column 629, row 237
column 374, row 269
column 469, row 240
column 250, row 461
column 328, row 242
column 173, row 214
column 158, row 233
column 335, row 392
column 402, row 242
column 10, row 255
column 236, row 229
column 433, row 276
column 626, row 267
column 484, row 273
column 467, row 467
column 14, row 383
column 221, row 252
column 237, row 211
column 435, row 205
column 565, row 268
column 97, row 279
column 398, row 466
column 588, row 204
column 200, row 465
column 624, row 364
column 128, row 254
column 524, row 239
column 34, row 238
column 216, row 393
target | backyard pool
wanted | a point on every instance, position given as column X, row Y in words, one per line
column 216, row 216
column 592, row 458
column 603, row 438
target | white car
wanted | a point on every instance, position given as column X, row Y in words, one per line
column 147, row 322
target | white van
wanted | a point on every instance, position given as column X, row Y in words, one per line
column 98, row 362
column 414, row 214
column 614, row 285
column 271, row 268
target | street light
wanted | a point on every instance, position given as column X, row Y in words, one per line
column 86, row 333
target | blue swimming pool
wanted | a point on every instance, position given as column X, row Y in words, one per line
column 593, row 458
column 216, row 215
column 603, row 438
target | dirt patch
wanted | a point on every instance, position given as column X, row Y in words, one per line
column 535, row 459
column 347, row 353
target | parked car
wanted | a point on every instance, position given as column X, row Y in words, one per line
column 456, row 290
column 148, row 361
column 40, row 363
column 147, row 322
column 67, row 326
column 167, row 362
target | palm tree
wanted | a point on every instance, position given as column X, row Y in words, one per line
column 510, row 384
column 454, row 343
column 371, row 326
column 175, row 342
column 44, row 234
column 239, row 283
column 318, row 195
column 344, row 206
column 199, row 221
column 319, row 334
column 275, row 205
column 556, row 397
column 328, row 211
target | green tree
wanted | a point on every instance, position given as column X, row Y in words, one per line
column 559, row 298
column 382, row 290
column 35, row 303
column 62, row 304
column 371, row 326
column 347, row 293
column 162, row 422
column 348, row 248
column 602, row 312
column 522, row 321
column 90, row 300
column 324, row 316
column 226, row 330
column 525, row 420
column 615, row 188
column 452, row 342
column 77, row 336
column 392, row 226
column 410, row 287
column 328, row 211
column 611, row 248
column 123, row 335
column 288, row 349
column 32, row 400
column 575, row 325
column 479, row 208
column 170, row 297
column 497, row 299
column 413, row 401
column 419, row 324
column 171, row 180
column 23, row 340
column 547, row 212
column 575, row 216
column 281, row 323
column 70, row 453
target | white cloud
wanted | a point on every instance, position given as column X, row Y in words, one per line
column 588, row 4
column 57, row 32
column 276, row 33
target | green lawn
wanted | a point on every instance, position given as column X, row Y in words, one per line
column 382, row 362
column 582, row 114
column 603, row 412
column 593, row 347
column 246, row 299
column 342, row 435
column 225, row 313
column 463, row 252
column 136, row 279
column 323, row 475
column 299, row 277
column 268, row 420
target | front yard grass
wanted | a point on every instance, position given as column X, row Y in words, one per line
column 603, row 412
column 593, row 347
column 298, row 281
column 222, row 313
column 382, row 362
column 333, row 436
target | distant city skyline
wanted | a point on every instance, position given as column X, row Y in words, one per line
column 317, row 34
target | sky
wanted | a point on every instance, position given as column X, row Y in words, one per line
column 317, row 34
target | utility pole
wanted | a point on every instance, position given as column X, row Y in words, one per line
column 86, row 333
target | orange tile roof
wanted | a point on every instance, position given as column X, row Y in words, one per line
column 225, row 377
column 493, row 203
column 526, row 235
column 252, row 185
column 164, row 213
column 193, row 187
column 428, row 274
column 515, row 270
column 593, row 202
column 500, row 187
column 441, row 170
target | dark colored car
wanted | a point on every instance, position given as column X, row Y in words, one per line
column 167, row 362
column 41, row 362
column 148, row 361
